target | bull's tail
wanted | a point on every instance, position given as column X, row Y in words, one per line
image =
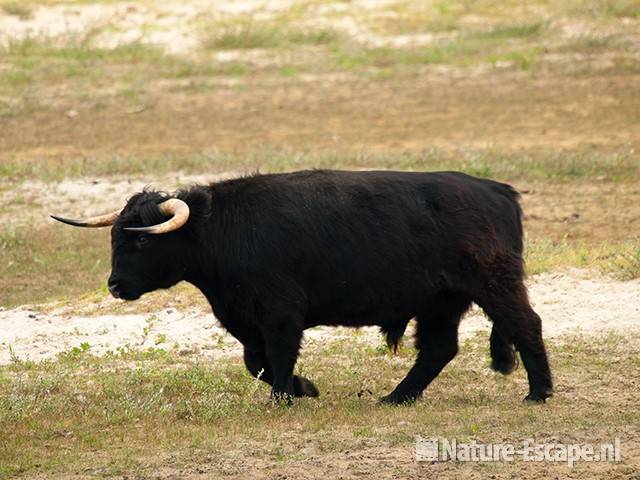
column 512, row 195
column 393, row 335
column 503, row 353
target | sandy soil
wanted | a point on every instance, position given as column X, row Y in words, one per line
column 573, row 302
column 178, row 27
column 81, row 197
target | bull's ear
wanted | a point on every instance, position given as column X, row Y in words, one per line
column 199, row 201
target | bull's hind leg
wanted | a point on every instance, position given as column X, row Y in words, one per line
column 437, row 344
column 258, row 366
column 507, row 304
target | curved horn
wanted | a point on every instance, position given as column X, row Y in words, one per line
column 93, row 222
column 176, row 208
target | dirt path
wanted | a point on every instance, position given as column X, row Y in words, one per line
column 574, row 302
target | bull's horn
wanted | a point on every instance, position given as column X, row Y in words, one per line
column 99, row 221
column 179, row 212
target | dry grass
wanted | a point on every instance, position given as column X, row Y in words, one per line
column 38, row 264
column 538, row 165
column 136, row 413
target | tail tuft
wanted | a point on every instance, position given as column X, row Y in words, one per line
column 394, row 335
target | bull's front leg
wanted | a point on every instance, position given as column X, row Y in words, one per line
column 258, row 366
column 282, row 336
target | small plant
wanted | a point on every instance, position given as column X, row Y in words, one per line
column 75, row 353
column 151, row 320
column 218, row 340
column 13, row 357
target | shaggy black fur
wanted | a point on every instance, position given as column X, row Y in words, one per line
column 276, row 254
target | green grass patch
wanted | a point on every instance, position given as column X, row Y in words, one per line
column 516, row 30
column 557, row 166
column 32, row 50
column 508, row 18
column 506, row 42
column 35, row 60
column 604, row 9
column 38, row 62
column 131, row 413
column 250, row 33
column 189, row 69
column 618, row 259
column 454, row 12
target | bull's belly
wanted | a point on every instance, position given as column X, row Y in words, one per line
column 357, row 309
column 382, row 316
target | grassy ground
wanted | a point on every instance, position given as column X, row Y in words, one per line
column 140, row 413
column 40, row 73
column 560, row 167
column 541, row 94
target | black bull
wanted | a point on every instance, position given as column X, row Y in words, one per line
column 276, row 254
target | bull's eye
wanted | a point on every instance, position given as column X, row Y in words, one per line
column 142, row 241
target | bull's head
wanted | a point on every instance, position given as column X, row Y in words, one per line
column 147, row 247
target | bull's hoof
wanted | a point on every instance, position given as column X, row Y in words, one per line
column 506, row 363
column 303, row 387
column 396, row 399
column 537, row 398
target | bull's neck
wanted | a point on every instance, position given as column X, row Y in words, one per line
column 201, row 274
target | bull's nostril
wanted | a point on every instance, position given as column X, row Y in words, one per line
column 114, row 288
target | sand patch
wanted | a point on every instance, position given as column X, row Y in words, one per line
column 572, row 302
